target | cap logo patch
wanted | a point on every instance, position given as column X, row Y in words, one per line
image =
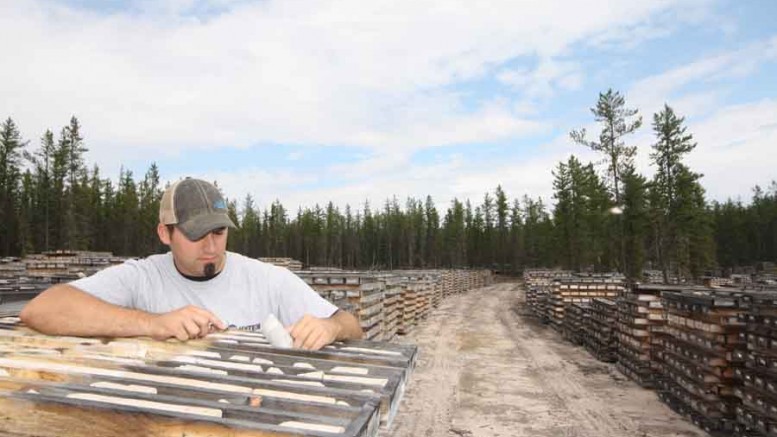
column 219, row 204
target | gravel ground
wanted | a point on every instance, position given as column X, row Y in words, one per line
column 486, row 368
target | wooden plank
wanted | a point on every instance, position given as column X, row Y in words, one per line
column 302, row 393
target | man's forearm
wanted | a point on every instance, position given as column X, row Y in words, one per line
column 66, row 310
column 349, row 326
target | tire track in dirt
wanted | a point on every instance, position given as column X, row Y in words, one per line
column 487, row 369
column 583, row 406
column 594, row 398
column 429, row 399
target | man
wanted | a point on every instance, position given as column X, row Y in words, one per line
column 194, row 289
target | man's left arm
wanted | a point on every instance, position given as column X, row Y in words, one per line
column 313, row 333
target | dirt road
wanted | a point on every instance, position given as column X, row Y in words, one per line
column 487, row 369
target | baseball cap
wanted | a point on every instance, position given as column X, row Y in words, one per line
column 195, row 207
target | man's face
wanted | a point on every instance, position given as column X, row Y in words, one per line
column 202, row 258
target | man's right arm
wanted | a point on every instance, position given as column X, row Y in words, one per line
column 66, row 310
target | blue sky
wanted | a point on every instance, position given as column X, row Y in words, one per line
column 348, row 101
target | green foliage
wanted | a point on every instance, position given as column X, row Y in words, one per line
column 52, row 201
column 746, row 235
column 635, row 223
column 681, row 221
column 11, row 146
column 580, row 216
column 617, row 121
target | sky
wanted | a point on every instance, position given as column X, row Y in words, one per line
column 350, row 101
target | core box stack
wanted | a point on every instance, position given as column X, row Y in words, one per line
column 446, row 279
column 578, row 290
column 17, row 285
column 461, row 281
column 289, row 263
column 422, row 284
column 641, row 320
column 358, row 293
column 757, row 415
column 434, row 277
column 599, row 334
column 228, row 384
column 574, row 322
column 392, row 304
column 65, row 265
column 538, row 284
column 423, row 304
column 407, row 318
column 700, row 355
column 531, row 298
column 436, row 291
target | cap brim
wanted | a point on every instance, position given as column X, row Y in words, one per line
column 199, row 226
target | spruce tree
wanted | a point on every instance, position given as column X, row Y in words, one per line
column 635, row 221
column 432, row 220
column 11, row 146
column 682, row 225
column 617, row 121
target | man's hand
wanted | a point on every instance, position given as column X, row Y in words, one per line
column 184, row 324
column 313, row 333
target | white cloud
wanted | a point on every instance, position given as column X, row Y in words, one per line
column 650, row 94
column 385, row 176
column 264, row 186
column 345, row 73
column 543, row 81
column 735, row 152
column 736, row 149
column 382, row 75
column 295, row 156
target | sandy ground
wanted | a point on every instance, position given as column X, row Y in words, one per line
column 487, row 368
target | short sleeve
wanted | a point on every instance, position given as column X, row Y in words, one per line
column 117, row 285
column 297, row 299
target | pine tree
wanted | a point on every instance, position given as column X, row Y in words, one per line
column 454, row 235
column 350, row 238
column 369, row 238
column 517, row 253
column 695, row 246
column 249, row 229
column 564, row 217
column 616, row 120
column 334, row 237
column 26, row 243
column 581, row 218
column 234, row 236
column 470, row 232
column 682, row 227
column 502, row 257
column 537, row 234
column 149, row 197
column 432, row 219
column 125, row 218
column 69, row 166
column 42, row 197
column 11, row 146
column 635, row 221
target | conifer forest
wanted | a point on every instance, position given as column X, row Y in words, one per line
column 603, row 216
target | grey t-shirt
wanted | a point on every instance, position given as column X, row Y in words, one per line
column 243, row 294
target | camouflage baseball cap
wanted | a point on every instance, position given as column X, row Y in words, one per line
column 195, row 207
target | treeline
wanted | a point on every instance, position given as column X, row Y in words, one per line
column 602, row 220
column 746, row 235
column 49, row 199
column 617, row 219
column 498, row 233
